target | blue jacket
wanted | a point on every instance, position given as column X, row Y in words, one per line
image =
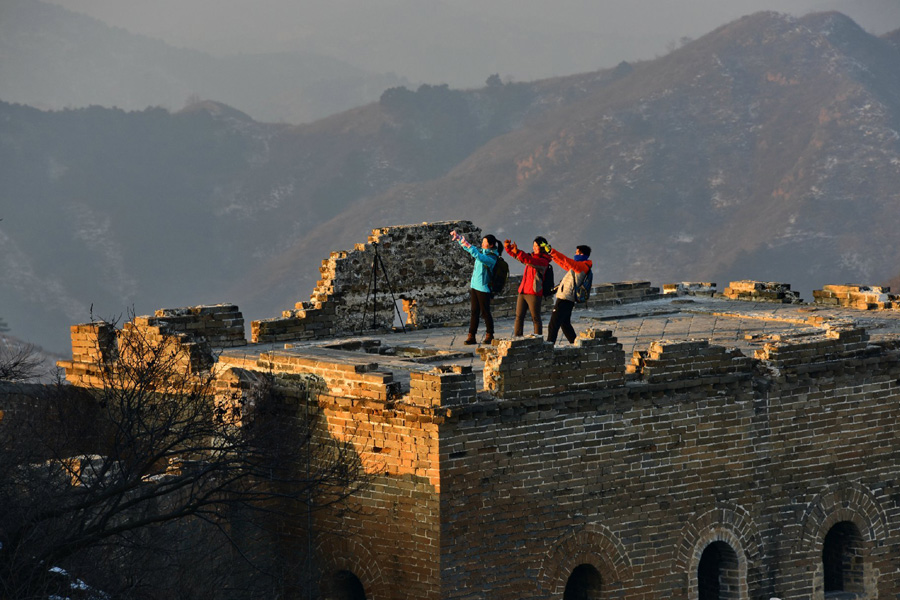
column 484, row 266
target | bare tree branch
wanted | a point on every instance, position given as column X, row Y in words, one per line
column 99, row 470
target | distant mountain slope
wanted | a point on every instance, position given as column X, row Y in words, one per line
column 893, row 38
column 768, row 149
column 105, row 208
column 53, row 58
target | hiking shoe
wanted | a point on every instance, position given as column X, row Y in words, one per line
column 470, row 340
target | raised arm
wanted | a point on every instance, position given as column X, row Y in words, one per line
column 579, row 266
column 480, row 255
column 524, row 257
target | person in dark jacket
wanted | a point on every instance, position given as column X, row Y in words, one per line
column 531, row 289
column 576, row 270
column 480, row 284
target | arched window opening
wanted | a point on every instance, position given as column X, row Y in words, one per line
column 842, row 561
column 347, row 586
column 717, row 574
column 584, row 584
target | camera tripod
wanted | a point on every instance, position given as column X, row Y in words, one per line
column 378, row 264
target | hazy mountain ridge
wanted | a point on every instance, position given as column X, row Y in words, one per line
column 767, row 149
column 155, row 208
column 53, row 59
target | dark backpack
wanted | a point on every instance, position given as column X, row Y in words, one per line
column 546, row 280
column 583, row 289
column 499, row 276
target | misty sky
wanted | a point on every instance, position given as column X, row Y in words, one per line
column 420, row 39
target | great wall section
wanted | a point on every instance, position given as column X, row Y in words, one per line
column 691, row 444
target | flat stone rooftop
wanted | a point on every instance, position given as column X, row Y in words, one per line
column 738, row 324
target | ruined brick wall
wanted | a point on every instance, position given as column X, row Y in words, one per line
column 219, row 325
column 637, row 480
column 426, row 271
column 191, row 333
column 676, row 361
column 387, row 534
column 528, row 367
column 762, row 291
column 864, row 297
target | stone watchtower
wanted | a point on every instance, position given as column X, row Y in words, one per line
column 622, row 466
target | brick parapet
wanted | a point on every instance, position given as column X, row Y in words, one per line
column 143, row 337
column 833, row 344
column 862, row 297
column 690, row 288
column 687, row 360
column 621, row 292
column 442, row 386
column 761, row 291
column 357, row 380
column 219, row 325
column 94, row 345
column 306, row 321
column 525, row 367
column 100, row 346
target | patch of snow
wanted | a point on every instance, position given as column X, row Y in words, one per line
column 96, row 231
column 277, row 195
column 17, row 272
column 857, row 262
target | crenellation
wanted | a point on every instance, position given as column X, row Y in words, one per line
column 666, row 361
column 833, row 344
column 220, row 325
column 690, row 288
column 442, row 386
column 762, row 291
column 862, row 297
column 623, row 292
column 528, row 367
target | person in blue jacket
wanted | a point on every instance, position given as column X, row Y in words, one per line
column 480, row 286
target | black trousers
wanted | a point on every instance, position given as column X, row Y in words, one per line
column 533, row 303
column 561, row 318
column 481, row 305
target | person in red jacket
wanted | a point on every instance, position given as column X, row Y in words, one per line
column 576, row 270
column 531, row 290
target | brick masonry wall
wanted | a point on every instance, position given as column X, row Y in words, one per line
column 99, row 346
column 762, row 291
column 690, row 288
column 388, row 534
column 863, row 297
column 637, row 480
column 426, row 270
column 687, row 361
column 220, row 325
column 530, row 367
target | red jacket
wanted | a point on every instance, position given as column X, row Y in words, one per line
column 532, row 261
